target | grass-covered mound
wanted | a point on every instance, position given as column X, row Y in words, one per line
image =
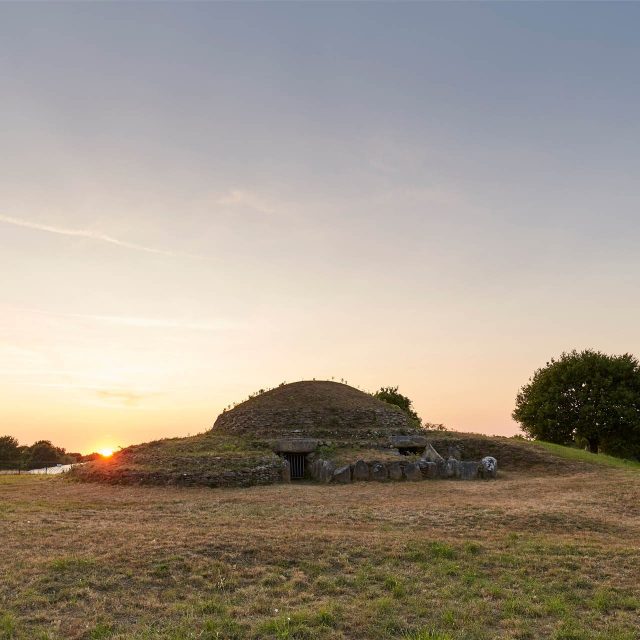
column 218, row 459
column 315, row 409
column 519, row 454
column 209, row 459
column 348, row 425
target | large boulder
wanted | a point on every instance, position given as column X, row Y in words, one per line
column 342, row 475
column 427, row 468
column 326, row 471
column 452, row 468
column 395, row 471
column 431, row 454
column 468, row 470
column 488, row 467
column 295, row 445
column 412, row 472
column 360, row 470
column 409, row 442
column 315, row 468
column 378, row 471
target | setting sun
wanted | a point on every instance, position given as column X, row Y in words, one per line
column 106, row 452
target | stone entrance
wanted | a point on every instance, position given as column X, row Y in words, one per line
column 411, row 451
column 295, row 451
column 296, row 464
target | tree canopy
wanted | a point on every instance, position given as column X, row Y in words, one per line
column 40, row 454
column 9, row 451
column 43, row 453
column 584, row 396
column 393, row 396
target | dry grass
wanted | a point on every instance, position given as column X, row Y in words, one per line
column 314, row 394
column 523, row 557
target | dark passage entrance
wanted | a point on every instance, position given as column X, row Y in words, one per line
column 410, row 451
column 296, row 464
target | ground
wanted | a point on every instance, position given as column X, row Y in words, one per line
column 530, row 555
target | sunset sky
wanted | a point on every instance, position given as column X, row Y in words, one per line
column 200, row 200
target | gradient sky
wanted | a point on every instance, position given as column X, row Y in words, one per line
column 199, row 200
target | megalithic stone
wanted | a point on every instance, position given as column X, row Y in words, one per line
column 431, row 454
column 378, row 471
column 360, row 470
column 342, row 475
column 489, row 467
column 452, row 468
column 412, row 472
column 395, row 471
column 469, row 470
column 286, row 471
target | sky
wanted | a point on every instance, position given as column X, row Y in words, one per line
column 201, row 200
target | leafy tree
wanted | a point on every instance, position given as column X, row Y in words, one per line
column 42, row 454
column 584, row 396
column 9, row 451
column 393, row 396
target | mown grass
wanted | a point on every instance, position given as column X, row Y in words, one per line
column 523, row 558
column 571, row 453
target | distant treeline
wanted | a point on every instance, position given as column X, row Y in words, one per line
column 40, row 454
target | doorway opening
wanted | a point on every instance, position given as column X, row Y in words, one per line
column 296, row 464
column 410, row 451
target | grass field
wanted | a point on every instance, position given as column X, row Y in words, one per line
column 527, row 556
column 571, row 453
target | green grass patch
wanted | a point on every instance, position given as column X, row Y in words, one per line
column 7, row 626
column 580, row 455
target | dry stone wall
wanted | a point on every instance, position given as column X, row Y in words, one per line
column 327, row 423
column 325, row 471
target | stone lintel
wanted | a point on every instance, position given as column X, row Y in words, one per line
column 295, row 445
column 401, row 442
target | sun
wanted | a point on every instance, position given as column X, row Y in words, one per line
column 106, row 452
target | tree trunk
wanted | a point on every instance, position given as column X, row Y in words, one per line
column 593, row 444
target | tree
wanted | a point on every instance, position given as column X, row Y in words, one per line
column 44, row 454
column 588, row 396
column 9, row 452
column 393, row 396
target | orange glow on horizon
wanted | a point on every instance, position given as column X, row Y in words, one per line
column 105, row 452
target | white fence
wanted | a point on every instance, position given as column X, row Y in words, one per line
column 46, row 471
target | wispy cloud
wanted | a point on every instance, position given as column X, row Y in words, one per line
column 246, row 199
column 86, row 233
column 219, row 324
column 127, row 398
column 159, row 323
column 117, row 395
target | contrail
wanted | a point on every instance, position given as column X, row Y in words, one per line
column 83, row 233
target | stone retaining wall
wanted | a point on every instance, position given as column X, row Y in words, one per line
column 326, row 471
column 337, row 423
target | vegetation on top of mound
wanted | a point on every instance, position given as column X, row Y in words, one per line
column 311, row 394
column 394, row 397
column 315, row 409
